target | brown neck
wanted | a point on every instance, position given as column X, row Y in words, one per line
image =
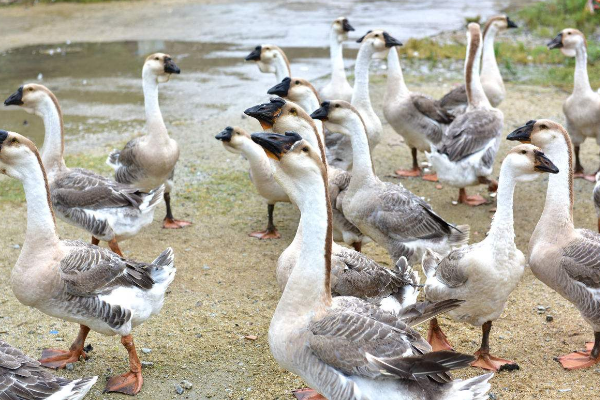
column 328, row 239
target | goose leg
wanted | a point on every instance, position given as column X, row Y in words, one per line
column 436, row 338
column 578, row 172
column 583, row 359
column 358, row 245
column 271, row 232
column 95, row 241
column 307, row 394
column 169, row 222
column 56, row 358
column 132, row 381
column 485, row 360
column 472, row 201
column 114, row 246
column 414, row 171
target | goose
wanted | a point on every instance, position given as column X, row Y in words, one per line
column 338, row 148
column 23, row 376
column 270, row 60
column 455, row 101
column 492, row 265
column 108, row 210
column 237, row 140
column 564, row 258
column 374, row 44
column 338, row 87
column 418, row 118
column 76, row 281
column 582, row 107
column 149, row 161
column 344, row 347
column 402, row 223
column 280, row 116
column 465, row 155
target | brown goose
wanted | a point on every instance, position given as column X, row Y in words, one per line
column 270, row 60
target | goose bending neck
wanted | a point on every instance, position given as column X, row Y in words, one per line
column 362, row 169
column 475, row 94
column 282, row 67
column 259, row 163
column 360, row 95
column 503, row 225
column 396, row 87
column 338, row 72
column 154, row 120
column 489, row 65
column 582, row 81
column 54, row 145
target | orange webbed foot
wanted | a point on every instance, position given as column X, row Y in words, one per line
column 408, row 173
column 430, row 177
column 437, row 339
column 473, row 201
column 129, row 383
column 582, row 175
column 265, row 235
column 58, row 359
column 307, row 394
column 169, row 223
column 579, row 359
column 490, row 363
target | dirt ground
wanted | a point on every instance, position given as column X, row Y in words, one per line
column 225, row 286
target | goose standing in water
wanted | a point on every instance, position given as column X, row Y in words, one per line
column 338, row 87
column 564, row 258
column 237, row 140
column 582, row 107
column 149, row 161
column 270, row 60
column 391, row 215
column 456, row 100
column 419, row 119
column 346, row 348
column 465, row 155
column 22, row 376
column 76, row 281
column 486, row 273
column 108, row 210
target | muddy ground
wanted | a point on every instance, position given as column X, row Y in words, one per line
column 225, row 286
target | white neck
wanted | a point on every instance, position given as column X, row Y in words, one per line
column 475, row 93
column 582, row 81
column 338, row 72
column 396, row 87
column 362, row 169
column 309, row 103
column 154, row 120
column 503, row 225
column 360, row 95
column 259, row 162
column 53, row 148
column 282, row 69
column 489, row 65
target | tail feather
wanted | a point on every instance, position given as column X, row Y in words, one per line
column 163, row 269
column 459, row 236
column 425, row 310
column 113, row 159
column 408, row 293
column 477, row 388
column 77, row 389
column 152, row 199
column 430, row 262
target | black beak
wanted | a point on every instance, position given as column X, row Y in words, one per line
column 274, row 144
column 390, row 41
column 255, row 54
column 522, row 134
column 346, row 25
column 510, row 23
column 556, row 43
column 15, row 99
column 321, row 112
column 225, row 135
column 363, row 37
column 267, row 113
column 171, row 67
column 3, row 136
column 282, row 88
column 543, row 163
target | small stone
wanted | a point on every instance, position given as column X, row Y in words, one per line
column 492, row 396
column 564, row 390
column 251, row 337
column 205, row 267
column 146, row 350
column 454, row 202
column 147, row 364
column 493, row 194
column 70, row 367
column 549, row 318
column 178, row 389
column 198, row 335
column 541, row 308
column 187, row 385
column 439, row 187
column 199, row 303
column 16, row 246
column 59, row 339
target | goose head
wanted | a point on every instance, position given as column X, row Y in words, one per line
column 233, row 138
column 161, row 66
column 341, row 27
column 17, row 155
column 527, row 162
column 568, row 40
column 500, row 23
column 294, row 89
column 336, row 114
column 279, row 115
column 265, row 56
column 378, row 42
column 541, row 133
column 33, row 98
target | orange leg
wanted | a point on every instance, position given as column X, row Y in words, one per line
column 307, row 394
column 114, row 246
column 56, row 358
column 132, row 381
column 583, row 359
column 472, row 201
column 485, row 360
column 430, row 177
column 271, row 232
column 436, row 338
column 414, row 171
column 169, row 222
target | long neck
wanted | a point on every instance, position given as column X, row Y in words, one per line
column 362, row 169
column 360, row 95
column 489, row 65
column 154, row 120
column 259, row 163
column 582, row 81
column 54, row 146
column 309, row 103
column 282, row 68
column 475, row 94
column 502, row 225
column 396, row 87
column 338, row 72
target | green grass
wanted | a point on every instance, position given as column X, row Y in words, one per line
column 548, row 18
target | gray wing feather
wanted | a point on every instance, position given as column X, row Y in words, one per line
column 449, row 270
column 457, row 97
column 581, row 259
column 431, row 109
column 129, row 170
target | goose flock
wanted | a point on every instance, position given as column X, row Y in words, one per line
column 344, row 323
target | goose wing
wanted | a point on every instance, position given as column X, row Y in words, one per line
column 470, row 133
column 450, row 271
column 581, row 259
column 455, row 98
column 431, row 108
column 128, row 170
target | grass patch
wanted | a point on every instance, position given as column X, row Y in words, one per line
column 223, row 192
column 548, row 18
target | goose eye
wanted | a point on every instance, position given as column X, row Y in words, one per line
column 543, row 126
column 337, row 106
column 297, row 82
column 376, row 35
column 305, row 149
column 293, row 111
column 523, row 151
column 14, row 140
column 30, row 89
column 156, row 58
column 568, row 33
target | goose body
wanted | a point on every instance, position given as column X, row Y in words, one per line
column 345, row 348
column 465, row 155
column 76, row 281
column 270, row 59
column 108, row 210
column 338, row 87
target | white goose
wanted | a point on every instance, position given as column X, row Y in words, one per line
column 76, row 281
column 338, row 87
column 486, row 273
column 108, row 210
column 465, row 155
column 237, row 140
column 22, row 377
column 149, row 161
column 346, row 348
column 270, row 60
